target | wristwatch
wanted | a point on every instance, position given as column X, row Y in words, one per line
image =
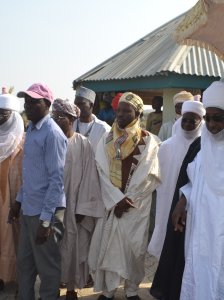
column 45, row 224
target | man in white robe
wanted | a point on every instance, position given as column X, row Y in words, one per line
column 88, row 124
column 11, row 143
column 83, row 199
column 171, row 154
column 128, row 168
column 203, row 198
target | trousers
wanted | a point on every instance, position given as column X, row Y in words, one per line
column 130, row 288
column 43, row 260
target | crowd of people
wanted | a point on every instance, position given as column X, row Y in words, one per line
column 76, row 195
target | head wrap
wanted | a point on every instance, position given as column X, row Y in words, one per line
column 194, row 107
column 213, row 96
column 9, row 102
column 11, row 134
column 86, row 94
column 133, row 100
column 182, row 97
column 66, row 107
column 115, row 101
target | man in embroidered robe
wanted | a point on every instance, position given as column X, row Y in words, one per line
column 128, row 168
column 83, row 199
column 11, row 135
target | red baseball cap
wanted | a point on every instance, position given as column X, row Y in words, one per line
column 37, row 91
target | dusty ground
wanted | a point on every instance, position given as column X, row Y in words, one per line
column 87, row 294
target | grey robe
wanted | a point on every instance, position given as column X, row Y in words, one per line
column 83, row 195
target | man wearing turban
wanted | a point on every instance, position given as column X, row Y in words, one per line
column 166, row 244
column 11, row 135
column 203, row 198
column 128, row 167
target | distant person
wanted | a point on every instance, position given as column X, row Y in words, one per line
column 83, row 198
column 88, row 124
column 128, row 168
column 155, row 118
column 178, row 100
column 107, row 113
column 41, row 198
column 11, row 137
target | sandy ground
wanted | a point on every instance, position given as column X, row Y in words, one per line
column 9, row 292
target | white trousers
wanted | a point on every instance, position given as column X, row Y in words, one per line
column 130, row 288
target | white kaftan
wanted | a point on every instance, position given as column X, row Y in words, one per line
column 204, row 243
column 119, row 246
column 171, row 155
column 95, row 130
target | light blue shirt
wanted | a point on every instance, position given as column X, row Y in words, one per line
column 43, row 169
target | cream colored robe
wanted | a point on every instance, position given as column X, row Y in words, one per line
column 118, row 246
column 203, row 276
column 10, row 181
column 82, row 189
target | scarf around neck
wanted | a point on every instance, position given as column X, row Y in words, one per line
column 120, row 143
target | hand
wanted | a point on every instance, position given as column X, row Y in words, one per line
column 179, row 214
column 43, row 234
column 79, row 218
column 122, row 207
column 14, row 212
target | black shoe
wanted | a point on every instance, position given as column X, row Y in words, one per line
column 102, row 297
column 136, row 297
column 71, row 295
column 89, row 283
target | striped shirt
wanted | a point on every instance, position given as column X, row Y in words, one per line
column 43, row 168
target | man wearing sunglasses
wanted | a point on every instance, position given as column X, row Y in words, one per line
column 171, row 155
column 203, row 198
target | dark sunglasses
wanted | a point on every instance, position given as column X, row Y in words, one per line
column 190, row 120
column 216, row 118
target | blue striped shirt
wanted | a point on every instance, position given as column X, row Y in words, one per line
column 43, row 168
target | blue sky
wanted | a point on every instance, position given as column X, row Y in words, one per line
column 56, row 41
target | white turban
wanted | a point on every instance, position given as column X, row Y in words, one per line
column 194, row 107
column 213, row 96
column 9, row 102
column 182, row 97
